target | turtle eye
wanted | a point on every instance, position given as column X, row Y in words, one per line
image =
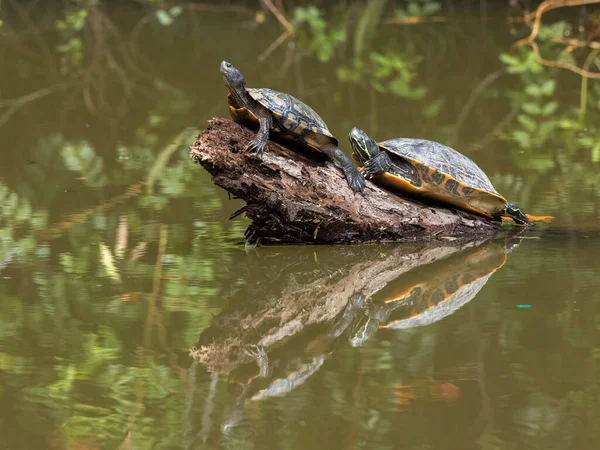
column 228, row 65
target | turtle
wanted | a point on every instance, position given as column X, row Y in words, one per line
column 286, row 116
column 433, row 171
column 430, row 292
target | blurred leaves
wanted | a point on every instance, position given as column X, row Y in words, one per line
column 315, row 35
column 166, row 17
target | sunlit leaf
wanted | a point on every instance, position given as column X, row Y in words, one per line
column 121, row 244
column 163, row 17
column 549, row 108
column 596, row 153
column 533, row 90
column 528, row 123
column 531, row 108
column 175, row 11
column 547, row 88
column 109, row 263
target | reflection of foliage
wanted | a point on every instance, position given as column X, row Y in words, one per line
column 73, row 356
column 418, row 8
column 166, row 16
column 70, row 30
column 392, row 73
column 320, row 38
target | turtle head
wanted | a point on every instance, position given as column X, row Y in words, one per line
column 364, row 148
column 232, row 77
column 516, row 214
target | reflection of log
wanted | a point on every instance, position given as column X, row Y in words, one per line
column 292, row 197
column 291, row 291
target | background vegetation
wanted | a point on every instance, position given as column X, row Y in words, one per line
column 116, row 252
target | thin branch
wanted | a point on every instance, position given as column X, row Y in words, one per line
column 489, row 79
column 276, row 43
column 562, row 64
column 14, row 105
column 280, row 17
column 546, row 6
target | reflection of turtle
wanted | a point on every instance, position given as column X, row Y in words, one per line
column 300, row 369
column 433, row 171
column 284, row 375
column 430, row 292
column 284, row 115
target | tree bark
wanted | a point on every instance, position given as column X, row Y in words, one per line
column 296, row 196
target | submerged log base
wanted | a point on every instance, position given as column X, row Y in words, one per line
column 293, row 196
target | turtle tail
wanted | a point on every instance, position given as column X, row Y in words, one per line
column 512, row 211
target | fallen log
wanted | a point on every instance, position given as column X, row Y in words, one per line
column 293, row 196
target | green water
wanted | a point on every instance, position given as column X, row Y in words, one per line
column 132, row 315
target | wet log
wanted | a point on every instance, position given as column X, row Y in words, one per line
column 294, row 196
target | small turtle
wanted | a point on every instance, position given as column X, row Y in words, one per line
column 433, row 171
column 286, row 116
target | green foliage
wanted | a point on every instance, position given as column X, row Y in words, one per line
column 524, row 61
column 70, row 28
column 390, row 73
column 315, row 34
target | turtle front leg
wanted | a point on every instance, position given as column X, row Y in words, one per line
column 355, row 179
column 378, row 164
column 262, row 359
column 257, row 145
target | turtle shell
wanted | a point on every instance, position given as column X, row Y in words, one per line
column 441, row 173
column 293, row 115
column 448, row 286
column 293, row 119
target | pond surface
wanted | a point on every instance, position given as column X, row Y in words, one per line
column 132, row 316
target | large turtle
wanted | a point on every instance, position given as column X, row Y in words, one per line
column 287, row 116
column 433, row 171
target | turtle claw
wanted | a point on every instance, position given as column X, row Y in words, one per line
column 355, row 179
column 254, row 350
column 256, row 147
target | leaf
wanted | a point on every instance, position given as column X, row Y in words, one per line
column 509, row 60
column 533, row 90
column 121, row 244
column 522, row 138
column 531, row 108
column 414, row 10
column 596, row 153
column 431, row 8
column 547, row 88
column 549, row 108
column 163, row 17
column 528, row 123
column 433, row 109
column 109, row 262
column 175, row 11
